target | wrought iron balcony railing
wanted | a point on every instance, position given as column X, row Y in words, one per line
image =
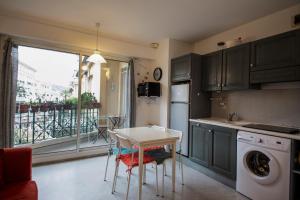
column 36, row 124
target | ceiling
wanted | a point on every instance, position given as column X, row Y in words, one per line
column 145, row 21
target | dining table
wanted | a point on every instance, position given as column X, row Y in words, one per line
column 146, row 137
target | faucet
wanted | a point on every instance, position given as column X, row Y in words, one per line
column 232, row 116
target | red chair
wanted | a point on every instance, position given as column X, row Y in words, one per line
column 15, row 174
column 131, row 160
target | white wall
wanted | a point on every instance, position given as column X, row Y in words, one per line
column 275, row 23
column 147, row 110
column 60, row 35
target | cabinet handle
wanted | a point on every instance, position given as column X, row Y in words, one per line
column 209, row 131
column 219, row 84
column 251, row 65
column 223, row 84
column 198, row 125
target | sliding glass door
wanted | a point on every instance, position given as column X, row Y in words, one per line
column 50, row 89
column 45, row 115
column 102, row 92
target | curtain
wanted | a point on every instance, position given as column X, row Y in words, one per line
column 8, row 83
column 131, row 98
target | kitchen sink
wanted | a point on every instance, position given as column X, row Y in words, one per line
column 237, row 123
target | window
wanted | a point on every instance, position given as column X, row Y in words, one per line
column 47, row 99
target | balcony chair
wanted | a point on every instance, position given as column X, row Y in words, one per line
column 15, row 174
column 161, row 155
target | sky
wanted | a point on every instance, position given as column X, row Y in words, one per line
column 52, row 66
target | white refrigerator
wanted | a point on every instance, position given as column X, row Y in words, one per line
column 179, row 113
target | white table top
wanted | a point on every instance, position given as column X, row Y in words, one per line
column 146, row 135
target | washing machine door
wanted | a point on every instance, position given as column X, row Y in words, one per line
column 261, row 165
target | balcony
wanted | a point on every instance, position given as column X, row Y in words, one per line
column 56, row 124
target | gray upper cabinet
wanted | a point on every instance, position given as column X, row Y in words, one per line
column 271, row 60
column 236, row 63
column 212, row 71
column 278, row 51
column 181, row 68
column 227, row 69
column 276, row 59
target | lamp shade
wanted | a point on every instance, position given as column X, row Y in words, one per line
column 96, row 58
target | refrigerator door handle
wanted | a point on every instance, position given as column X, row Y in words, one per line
column 182, row 102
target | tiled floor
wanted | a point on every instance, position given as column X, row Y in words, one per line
column 83, row 180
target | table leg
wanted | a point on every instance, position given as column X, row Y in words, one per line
column 141, row 161
column 173, row 165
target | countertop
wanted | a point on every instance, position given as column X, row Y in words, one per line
column 239, row 126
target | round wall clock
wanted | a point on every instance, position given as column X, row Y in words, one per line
column 157, row 74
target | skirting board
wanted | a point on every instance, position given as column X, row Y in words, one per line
column 209, row 173
column 69, row 155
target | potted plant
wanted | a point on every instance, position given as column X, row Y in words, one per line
column 58, row 106
column 24, row 107
column 96, row 105
column 87, row 100
column 51, row 105
column 70, row 103
column 34, row 106
column 44, row 107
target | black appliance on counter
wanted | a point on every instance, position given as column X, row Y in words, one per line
column 272, row 128
column 149, row 89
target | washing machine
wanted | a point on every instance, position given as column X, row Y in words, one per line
column 263, row 166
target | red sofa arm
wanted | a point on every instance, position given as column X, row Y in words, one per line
column 17, row 164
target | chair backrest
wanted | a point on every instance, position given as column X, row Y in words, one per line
column 102, row 120
column 179, row 134
column 115, row 122
column 112, row 134
column 113, row 138
column 124, row 142
column 158, row 127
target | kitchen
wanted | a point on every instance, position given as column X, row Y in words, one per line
column 239, row 106
column 217, row 80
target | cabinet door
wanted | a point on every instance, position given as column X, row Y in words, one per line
column 223, row 151
column 275, row 75
column 199, row 144
column 212, row 71
column 236, row 61
column 181, row 68
column 276, row 52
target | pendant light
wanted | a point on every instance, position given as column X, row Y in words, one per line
column 96, row 57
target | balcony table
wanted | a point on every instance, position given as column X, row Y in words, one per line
column 146, row 137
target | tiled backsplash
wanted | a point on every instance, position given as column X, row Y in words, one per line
column 271, row 106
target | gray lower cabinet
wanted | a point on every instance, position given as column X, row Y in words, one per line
column 223, row 151
column 199, row 137
column 214, row 147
